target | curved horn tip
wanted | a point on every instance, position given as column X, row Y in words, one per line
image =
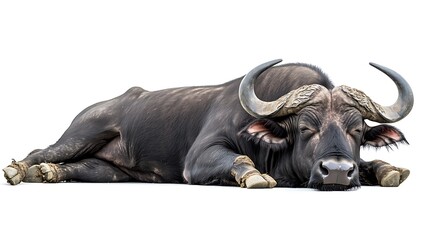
column 267, row 65
column 382, row 68
column 275, row 61
column 378, row 66
column 403, row 105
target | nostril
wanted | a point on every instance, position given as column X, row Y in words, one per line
column 350, row 172
column 323, row 169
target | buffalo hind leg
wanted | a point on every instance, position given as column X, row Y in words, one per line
column 62, row 151
column 86, row 170
column 91, row 129
column 381, row 173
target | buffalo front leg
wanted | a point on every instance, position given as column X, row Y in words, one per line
column 381, row 173
column 220, row 165
column 246, row 175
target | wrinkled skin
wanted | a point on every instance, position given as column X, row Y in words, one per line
column 329, row 128
column 202, row 135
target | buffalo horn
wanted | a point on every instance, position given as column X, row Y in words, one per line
column 248, row 99
column 285, row 105
column 385, row 114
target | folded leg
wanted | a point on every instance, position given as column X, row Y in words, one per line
column 381, row 173
column 86, row 170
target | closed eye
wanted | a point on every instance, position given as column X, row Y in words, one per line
column 309, row 123
column 353, row 122
column 357, row 130
column 306, row 131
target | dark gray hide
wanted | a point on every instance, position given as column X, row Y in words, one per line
column 286, row 126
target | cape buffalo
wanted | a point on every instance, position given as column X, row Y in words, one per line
column 284, row 125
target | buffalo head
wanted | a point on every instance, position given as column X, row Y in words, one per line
column 323, row 128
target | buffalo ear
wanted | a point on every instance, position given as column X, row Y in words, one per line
column 266, row 133
column 383, row 136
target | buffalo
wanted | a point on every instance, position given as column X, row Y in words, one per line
column 284, row 125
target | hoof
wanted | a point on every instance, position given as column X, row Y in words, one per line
column 49, row 171
column 34, row 174
column 260, row 181
column 404, row 174
column 391, row 179
column 12, row 176
column 271, row 182
column 14, row 173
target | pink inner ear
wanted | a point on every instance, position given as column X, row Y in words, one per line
column 256, row 127
column 259, row 130
column 383, row 135
column 393, row 135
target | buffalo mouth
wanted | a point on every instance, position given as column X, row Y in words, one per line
column 334, row 187
column 316, row 182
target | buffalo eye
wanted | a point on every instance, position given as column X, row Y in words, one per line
column 353, row 122
column 354, row 127
column 309, row 124
column 357, row 131
column 306, row 131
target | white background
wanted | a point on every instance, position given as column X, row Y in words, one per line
column 57, row 57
